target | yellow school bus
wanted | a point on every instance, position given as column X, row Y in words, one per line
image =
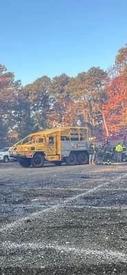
column 58, row 145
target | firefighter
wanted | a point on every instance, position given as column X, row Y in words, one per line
column 124, row 153
column 119, row 150
column 107, row 153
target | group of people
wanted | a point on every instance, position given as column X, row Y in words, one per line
column 106, row 153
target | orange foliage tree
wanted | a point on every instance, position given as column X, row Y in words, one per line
column 115, row 108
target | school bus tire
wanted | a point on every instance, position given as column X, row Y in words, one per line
column 83, row 157
column 38, row 160
column 72, row 158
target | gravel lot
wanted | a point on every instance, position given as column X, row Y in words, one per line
column 63, row 220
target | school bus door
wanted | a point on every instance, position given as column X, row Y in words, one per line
column 52, row 145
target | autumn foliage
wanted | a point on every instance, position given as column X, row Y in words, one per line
column 115, row 108
column 96, row 99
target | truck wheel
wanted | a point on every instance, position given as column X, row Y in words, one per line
column 38, row 160
column 6, row 159
column 71, row 159
column 24, row 162
column 83, row 158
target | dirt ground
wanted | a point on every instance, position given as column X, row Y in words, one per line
column 63, row 220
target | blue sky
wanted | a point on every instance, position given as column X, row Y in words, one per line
column 50, row 37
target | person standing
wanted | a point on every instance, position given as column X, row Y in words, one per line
column 107, row 153
column 119, row 151
column 92, row 154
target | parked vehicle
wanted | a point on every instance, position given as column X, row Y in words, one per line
column 5, row 155
column 57, row 145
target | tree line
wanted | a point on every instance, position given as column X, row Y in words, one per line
column 95, row 98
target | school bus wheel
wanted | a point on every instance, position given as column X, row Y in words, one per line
column 38, row 160
column 83, row 157
column 72, row 158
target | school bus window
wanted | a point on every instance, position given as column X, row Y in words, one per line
column 83, row 134
column 74, row 137
column 51, row 140
column 82, row 137
column 40, row 140
column 27, row 140
column 64, row 138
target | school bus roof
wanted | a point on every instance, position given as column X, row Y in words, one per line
column 54, row 130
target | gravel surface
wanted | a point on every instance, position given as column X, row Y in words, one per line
column 63, row 220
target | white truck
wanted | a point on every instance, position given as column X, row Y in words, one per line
column 4, row 155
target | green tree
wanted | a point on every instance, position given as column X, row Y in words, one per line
column 40, row 101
